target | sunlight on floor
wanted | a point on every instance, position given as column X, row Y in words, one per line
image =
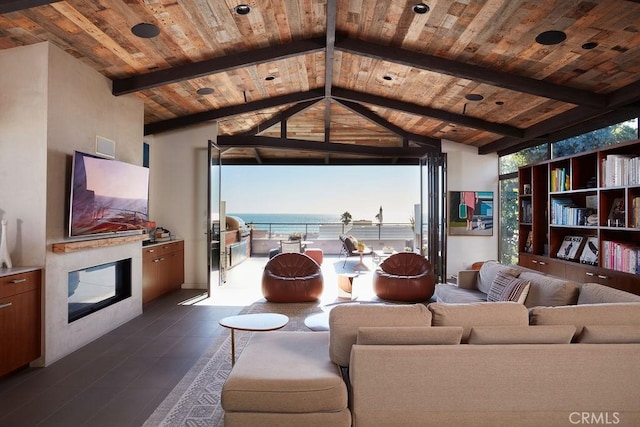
column 243, row 284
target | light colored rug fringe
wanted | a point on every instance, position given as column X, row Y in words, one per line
column 195, row 401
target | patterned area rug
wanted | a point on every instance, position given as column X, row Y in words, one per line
column 195, row 401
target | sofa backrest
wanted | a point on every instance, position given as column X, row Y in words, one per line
column 615, row 314
column 595, row 293
column 344, row 321
column 549, row 291
column 478, row 314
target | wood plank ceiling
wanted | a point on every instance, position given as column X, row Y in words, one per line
column 355, row 81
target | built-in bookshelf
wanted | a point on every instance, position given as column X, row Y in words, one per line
column 580, row 216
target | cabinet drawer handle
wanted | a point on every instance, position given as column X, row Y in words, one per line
column 151, row 251
column 543, row 263
column 588, row 273
column 533, row 261
column 16, row 281
column 162, row 259
column 156, row 260
column 601, row 276
column 9, row 304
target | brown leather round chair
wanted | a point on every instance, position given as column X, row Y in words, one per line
column 292, row 277
column 405, row 276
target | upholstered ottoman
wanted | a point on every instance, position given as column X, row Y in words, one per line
column 285, row 378
column 315, row 254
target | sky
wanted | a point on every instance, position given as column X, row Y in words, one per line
column 360, row 190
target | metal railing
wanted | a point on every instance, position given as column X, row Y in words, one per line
column 306, row 231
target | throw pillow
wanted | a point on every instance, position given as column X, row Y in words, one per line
column 409, row 335
column 554, row 334
column 508, row 288
column 608, row 334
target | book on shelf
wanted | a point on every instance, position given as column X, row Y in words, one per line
column 571, row 248
column 560, row 180
column 635, row 212
column 528, row 246
column 620, row 169
column 621, row 256
column 590, row 250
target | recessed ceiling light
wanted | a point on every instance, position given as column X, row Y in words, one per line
column 474, row 97
column 387, row 78
column 205, row 91
column 551, row 37
column 242, row 9
column 590, row 45
column 269, row 78
column 145, row 30
column 420, row 8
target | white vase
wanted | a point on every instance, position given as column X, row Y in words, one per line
column 5, row 259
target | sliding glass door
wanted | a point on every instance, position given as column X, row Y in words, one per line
column 215, row 215
column 432, row 218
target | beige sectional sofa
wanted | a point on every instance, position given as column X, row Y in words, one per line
column 475, row 364
column 544, row 290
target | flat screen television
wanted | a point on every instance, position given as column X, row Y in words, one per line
column 107, row 196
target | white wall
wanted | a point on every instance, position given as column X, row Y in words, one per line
column 53, row 104
column 23, row 155
column 468, row 171
column 178, row 164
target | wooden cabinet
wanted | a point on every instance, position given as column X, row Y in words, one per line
column 592, row 197
column 162, row 269
column 20, row 318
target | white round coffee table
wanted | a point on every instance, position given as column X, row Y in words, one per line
column 252, row 322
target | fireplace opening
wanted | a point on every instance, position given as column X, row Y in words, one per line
column 94, row 288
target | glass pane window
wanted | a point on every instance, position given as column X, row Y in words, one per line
column 508, row 243
column 511, row 162
column 621, row 132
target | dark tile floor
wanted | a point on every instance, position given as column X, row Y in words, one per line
column 120, row 378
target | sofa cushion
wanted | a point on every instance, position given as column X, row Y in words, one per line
column 409, row 335
column 549, row 291
column 587, row 314
column 285, row 372
column 508, row 288
column 595, row 293
column 446, row 292
column 478, row 314
column 344, row 321
column 552, row 334
column 488, row 272
column 608, row 334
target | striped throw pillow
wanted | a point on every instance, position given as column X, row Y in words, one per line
column 508, row 288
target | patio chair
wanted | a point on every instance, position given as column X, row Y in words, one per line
column 349, row 247
column 290, row 246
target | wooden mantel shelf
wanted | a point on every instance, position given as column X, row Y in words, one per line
column 81, row 245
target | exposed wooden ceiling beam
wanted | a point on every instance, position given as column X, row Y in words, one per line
column 192, row 119
column 371, row 116
column 332, row 10
column 215, row 65
column 577, row 120
column 334, row 147
column 472, row 72
column 7, row 6
column 497, row 128
column 281, row 117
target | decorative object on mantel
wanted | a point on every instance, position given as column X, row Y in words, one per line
column 5, row 259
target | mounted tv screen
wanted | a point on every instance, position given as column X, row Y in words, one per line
column 107, row 196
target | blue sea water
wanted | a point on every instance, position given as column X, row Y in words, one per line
column 287, row 222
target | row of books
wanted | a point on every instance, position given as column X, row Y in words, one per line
column 579, row 248
column 560, row 180
column 566, row 212
column 618, row 169
column 621, row 256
